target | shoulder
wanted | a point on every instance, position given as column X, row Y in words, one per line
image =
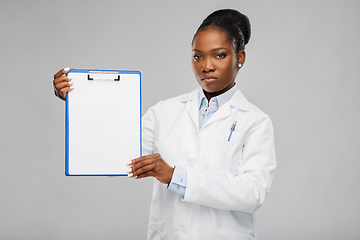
column 171, row 107
column 240, row 102
column 256, row 112
column 260, row 122
column 182, row 98
column 176, row 102
column 253, row 114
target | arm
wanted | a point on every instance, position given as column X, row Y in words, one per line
column 245, row 191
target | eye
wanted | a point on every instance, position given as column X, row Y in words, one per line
column 221, row 55
column 197, row 57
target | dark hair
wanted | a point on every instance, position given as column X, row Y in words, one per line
column 235, row 24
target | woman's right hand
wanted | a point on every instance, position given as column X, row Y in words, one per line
column 62, row 83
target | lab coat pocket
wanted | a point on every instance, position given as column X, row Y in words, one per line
column 230, row 235
column 154, row 230
column 227, row 150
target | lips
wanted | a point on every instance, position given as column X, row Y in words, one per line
column 208, row 79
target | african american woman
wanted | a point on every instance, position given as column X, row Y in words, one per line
column 211, row 151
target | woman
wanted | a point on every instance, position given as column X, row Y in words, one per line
column 211, row 150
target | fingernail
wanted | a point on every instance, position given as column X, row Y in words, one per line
column 70, row 82
column 66, row 69
column 130, row 163
column 130, row 175
column 129, row 170
column 71, row 87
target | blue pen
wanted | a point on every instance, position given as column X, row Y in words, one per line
column 232, row 129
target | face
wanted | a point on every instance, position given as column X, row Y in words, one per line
column 215, row 62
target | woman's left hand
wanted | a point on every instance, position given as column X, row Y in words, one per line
column 151, row 166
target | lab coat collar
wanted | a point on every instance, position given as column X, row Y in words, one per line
column 238, row 100
column 191, row 104
column 190, row 96
column 191, row 100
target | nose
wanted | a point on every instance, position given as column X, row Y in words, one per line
column 207, row 66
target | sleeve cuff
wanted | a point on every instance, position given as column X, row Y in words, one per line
column 178, row 181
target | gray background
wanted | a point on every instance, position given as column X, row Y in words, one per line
column 302, row 68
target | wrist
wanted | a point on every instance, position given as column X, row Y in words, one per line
column 171, row 175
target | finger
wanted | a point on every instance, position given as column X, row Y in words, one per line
column 140, row 165
column 61, row 72
column 64, row 91
column 144, row 170
column 61, row 85
column 139, row 159
column 61, row 79
column 130, row 163
column 142, row 161
column 136, row 160
column 146, row 174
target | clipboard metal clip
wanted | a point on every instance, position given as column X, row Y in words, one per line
column 103, row 75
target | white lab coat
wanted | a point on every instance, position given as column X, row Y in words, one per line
column 227, row 181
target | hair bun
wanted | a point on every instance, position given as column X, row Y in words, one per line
column 241, row 20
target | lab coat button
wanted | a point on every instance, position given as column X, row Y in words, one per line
column 184, row 230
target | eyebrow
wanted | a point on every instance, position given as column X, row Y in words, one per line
column 213, row 50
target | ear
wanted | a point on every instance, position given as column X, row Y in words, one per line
column 241, row 58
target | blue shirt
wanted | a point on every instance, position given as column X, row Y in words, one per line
column 206, row 110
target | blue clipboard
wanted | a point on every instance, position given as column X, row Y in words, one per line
column 102, row 122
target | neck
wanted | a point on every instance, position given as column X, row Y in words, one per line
column 210, row 95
